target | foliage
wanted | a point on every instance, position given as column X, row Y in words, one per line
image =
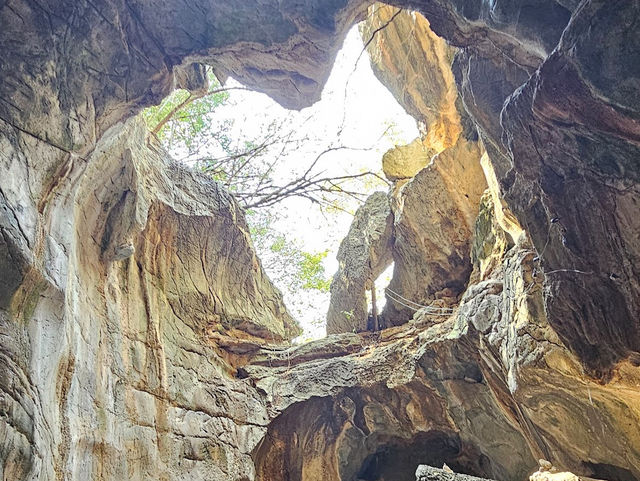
column 293, row 268
column 183, row 121
column 262, row 169
column 300, row 275
column 312, row 271
column 189, row 128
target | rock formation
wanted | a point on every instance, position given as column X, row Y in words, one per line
column 557, row 112
column 109, row 351
column 140, row 338
column 433, row 224
column 438, row 178
column 429, row 473
column 487, row 391
column 363, row 255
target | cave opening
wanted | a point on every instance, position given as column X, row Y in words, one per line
column 377, row 299
column 117, row 264
column 609, row 472
column 339, row 433
column 399, row 459
column 299, row 175
column 437, row 449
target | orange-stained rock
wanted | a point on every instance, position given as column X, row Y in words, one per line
column 404, row 161
column 415, row 65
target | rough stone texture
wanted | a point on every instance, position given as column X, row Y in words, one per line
column 560, row 126
column 561, row 140
column 490, row 240
column 548, row 472
column 405, row 161
column 488, row 392
column 124, row 358
column 363, row 255
column 415, row 65
column 118, row 270
column 585, row 174
column 439, row 178
column 108, row 375
column 434, row 215
column 429, row 473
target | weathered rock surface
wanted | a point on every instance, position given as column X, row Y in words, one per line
column 572, row 137
column 117, row 268
column 548, row 472
column 135, row 320
column 560, row 129
column 363, row 255
column 107, row 374
column 439, row 178
column 415, row 65
column 487, row 391
column 405, row 161
column 434, row 216
column 429, row 473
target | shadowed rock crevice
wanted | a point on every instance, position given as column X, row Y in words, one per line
column 357, row 435
column 140, row 338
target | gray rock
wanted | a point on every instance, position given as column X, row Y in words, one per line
column 158, row 366
column 363, row 255
column 429, row 473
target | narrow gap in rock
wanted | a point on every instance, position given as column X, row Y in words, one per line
column 300, row 176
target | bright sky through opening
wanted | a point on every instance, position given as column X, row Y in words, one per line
column 355, row 111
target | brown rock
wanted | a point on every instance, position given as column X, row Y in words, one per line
column 120, row 289
column 405, row 161
column 415, row 65
column 433, row 221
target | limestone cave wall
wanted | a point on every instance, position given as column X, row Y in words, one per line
column 141, row 339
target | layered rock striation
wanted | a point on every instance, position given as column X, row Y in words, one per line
column 107, row 372
column 437, row 179
column 363, row 255
column 487, row 390
column 140, row 338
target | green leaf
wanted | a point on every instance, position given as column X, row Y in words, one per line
column 312, row 271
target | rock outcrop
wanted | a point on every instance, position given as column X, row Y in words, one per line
column 112, row 355
column 415, row 65
column 581, row 181
column 434, row 215
column 438, row 178
column 556, row 109
column 403, row 162
column 140, row 339
column 487, row 391
column 429, row 473
column 363, row 255
column 117, row 268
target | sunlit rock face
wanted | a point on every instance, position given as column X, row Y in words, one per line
column 115, row 264
column 415, row 65
column 560, row 129
column 438, row 178
column 137, row 326
column 434, row 214
column 488, row 390
column 109, row 374
column 118, row 268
